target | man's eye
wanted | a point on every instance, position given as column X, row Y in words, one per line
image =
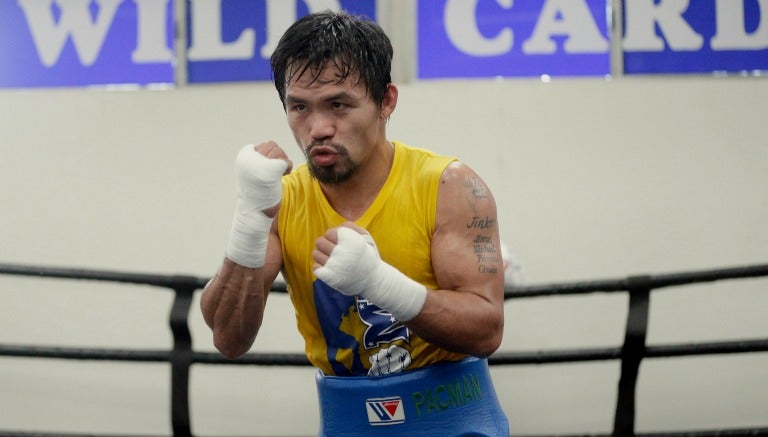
column 338, row 105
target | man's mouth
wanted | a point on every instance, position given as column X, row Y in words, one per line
column 323, row 155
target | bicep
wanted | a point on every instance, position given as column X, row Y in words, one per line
column 466, row 253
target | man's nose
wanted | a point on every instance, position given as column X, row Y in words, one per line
column 322, row 126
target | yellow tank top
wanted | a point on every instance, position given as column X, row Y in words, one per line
column 348, row 335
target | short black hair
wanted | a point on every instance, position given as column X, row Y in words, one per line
column 352, row 43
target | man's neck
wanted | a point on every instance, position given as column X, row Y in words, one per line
column 353, row 197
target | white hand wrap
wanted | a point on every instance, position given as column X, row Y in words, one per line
column 355, row 268
column 259, row 187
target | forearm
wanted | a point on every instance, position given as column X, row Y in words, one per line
column 461, row 322
column 463, row 319
column 233, row 301
column 233, row 307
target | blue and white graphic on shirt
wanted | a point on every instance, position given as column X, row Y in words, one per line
column 381, row 330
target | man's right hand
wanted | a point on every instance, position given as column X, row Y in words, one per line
column 259, row 170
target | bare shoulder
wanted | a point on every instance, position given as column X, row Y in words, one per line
column 463, row 195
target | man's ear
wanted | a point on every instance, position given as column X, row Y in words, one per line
column 389, row 103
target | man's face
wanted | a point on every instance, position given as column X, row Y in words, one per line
column 335, row 123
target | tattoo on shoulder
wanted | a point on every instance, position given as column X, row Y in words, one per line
column 475, row 189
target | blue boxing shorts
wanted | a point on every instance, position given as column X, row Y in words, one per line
column 448, row 399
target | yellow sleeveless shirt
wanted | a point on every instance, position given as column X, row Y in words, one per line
column 347, row 335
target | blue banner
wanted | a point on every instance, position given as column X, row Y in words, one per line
column 232, row 41
column 73, row 43
column 697, row 36
column 489, row 38
column 98, row 42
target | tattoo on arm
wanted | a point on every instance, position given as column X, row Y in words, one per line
column 475, row 189
column 488, row 257
column 481, row 223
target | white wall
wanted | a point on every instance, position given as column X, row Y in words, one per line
column 594, row 179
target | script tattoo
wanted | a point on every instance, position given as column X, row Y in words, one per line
column 486, row 253
column 481, row 223
column 488, row 258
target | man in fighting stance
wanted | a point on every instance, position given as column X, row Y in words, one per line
column 390, row 252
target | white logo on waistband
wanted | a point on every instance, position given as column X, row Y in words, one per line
column 385, row 411
column 393, row 359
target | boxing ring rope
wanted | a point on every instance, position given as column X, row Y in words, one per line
column 634, row 349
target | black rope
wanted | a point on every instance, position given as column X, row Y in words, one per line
column 72, row 434
column 92, row 354
column 260, row 359
column 622, row 285
column 511, row 291
column 738, row 432
column 697, row 277
column 299, row 359
column 165, row 281
column 554, row 356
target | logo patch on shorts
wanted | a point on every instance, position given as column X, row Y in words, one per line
column 385, row 411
